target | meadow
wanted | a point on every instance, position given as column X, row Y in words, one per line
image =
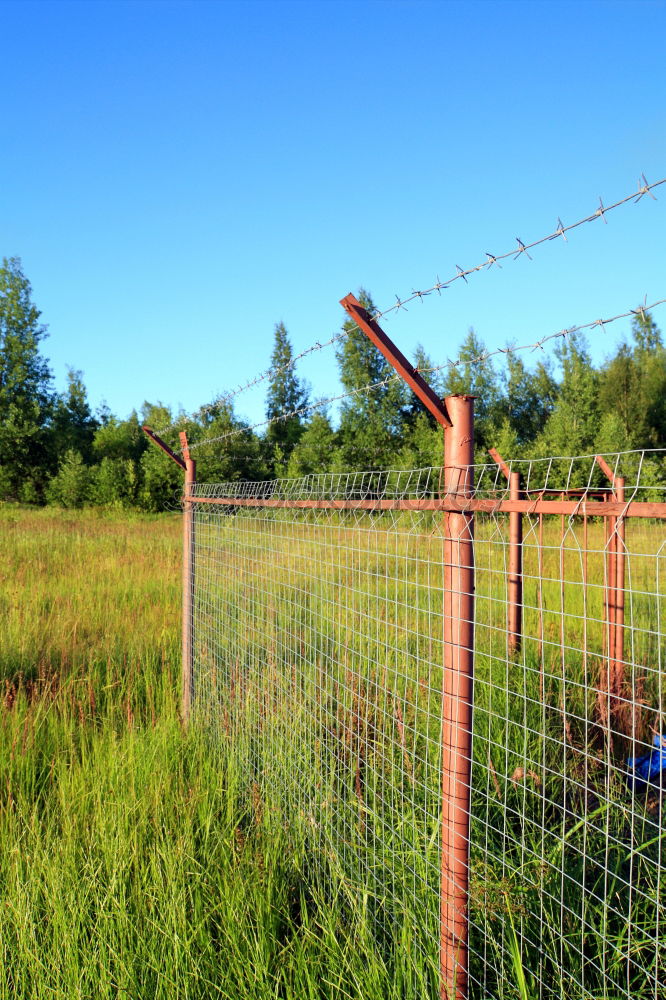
column 287, row 844
column 318, row 655
column 129, row 865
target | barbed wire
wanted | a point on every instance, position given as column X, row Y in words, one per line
column 461, row 274
column 257, row 379
column 510, row 349
column 428, row 370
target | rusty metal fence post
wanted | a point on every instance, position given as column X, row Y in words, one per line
column 188, row 581
column 515, row 581
column 613, row 684
column 457, row 704
column 618, row 678
column 515, row 567
column 456, row 416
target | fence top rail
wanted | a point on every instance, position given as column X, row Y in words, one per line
column 554, row 485
column 570, row 508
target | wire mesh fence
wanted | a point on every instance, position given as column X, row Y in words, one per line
column 319, row 633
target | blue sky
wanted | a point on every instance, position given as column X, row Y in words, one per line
column 178, row 177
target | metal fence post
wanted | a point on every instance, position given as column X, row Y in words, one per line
column 515, row 595
column 457, row 698
column 618, row 679
column 515, row 567
column 188, row 581
column 456, row 415
column 613, row 684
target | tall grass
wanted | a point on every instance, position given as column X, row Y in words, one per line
column 131, row 862
column 319, row 657
column 291, row 848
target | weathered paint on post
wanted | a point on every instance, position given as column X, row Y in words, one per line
column 188, row 582
column 457, row 701
column 515, row 582
column 618, row 678
column 396, row 359
column 515, row 568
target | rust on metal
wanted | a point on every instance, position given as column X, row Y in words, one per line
column 515, row 567
column 515, row 595
column 496, row 457
column 605, row 468
column 618, row 679
column 164, row 446
column 457, row 701
column 570, row 508
column 188, row 580
column 396, row 359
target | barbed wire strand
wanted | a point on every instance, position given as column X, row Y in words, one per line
column 461, row 273
column 429, row 370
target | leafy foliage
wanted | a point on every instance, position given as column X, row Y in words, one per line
column 53, row 448
column 26, row 395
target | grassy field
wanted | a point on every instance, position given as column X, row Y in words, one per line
column 291, row 849
column 319, row 656
column 129, row 867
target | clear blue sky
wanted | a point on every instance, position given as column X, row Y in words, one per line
column 178, row 177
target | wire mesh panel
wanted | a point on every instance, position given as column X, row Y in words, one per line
column 567, row 871
column 318, row 651
column 318, row 631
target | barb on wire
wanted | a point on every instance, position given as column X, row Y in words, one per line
column 566, row 332
column 643, row 188
column 256, row 380
column 300, row 412
column 461, row 273
column 484, row 356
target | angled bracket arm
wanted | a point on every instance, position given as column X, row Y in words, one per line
column 496, row 457
column 606, row 469
column 397, row 359
column 164, row 446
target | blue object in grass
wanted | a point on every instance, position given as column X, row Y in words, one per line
column 649, row 768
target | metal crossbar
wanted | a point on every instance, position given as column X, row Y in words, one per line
column 321, row 611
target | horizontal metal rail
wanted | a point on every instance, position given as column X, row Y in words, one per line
column 571, row 508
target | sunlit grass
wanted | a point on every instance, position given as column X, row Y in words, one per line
column 131, row 862
column 140, row 860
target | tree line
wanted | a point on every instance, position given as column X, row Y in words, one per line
column 54, row 449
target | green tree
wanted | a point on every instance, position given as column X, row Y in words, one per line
column 120, row 439
column 73, row 423
column 70, row 487
column 234, row 452
column 115, row 482
column 313, row 452
column 632, row 385
column 286, row 393
column 371, row 422
column 475, row 376
column 650, row 359
column 422, row 443
column 26, row 396
column 529, row 397
column 161, row 480
column 573, row 425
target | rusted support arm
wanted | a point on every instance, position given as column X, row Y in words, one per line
column 496, row 457
column 606, row 469
column 396, row 359
column 164, row 446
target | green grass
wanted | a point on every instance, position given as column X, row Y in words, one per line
column 285, row 851
column 131, row 864
column 311, row 632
